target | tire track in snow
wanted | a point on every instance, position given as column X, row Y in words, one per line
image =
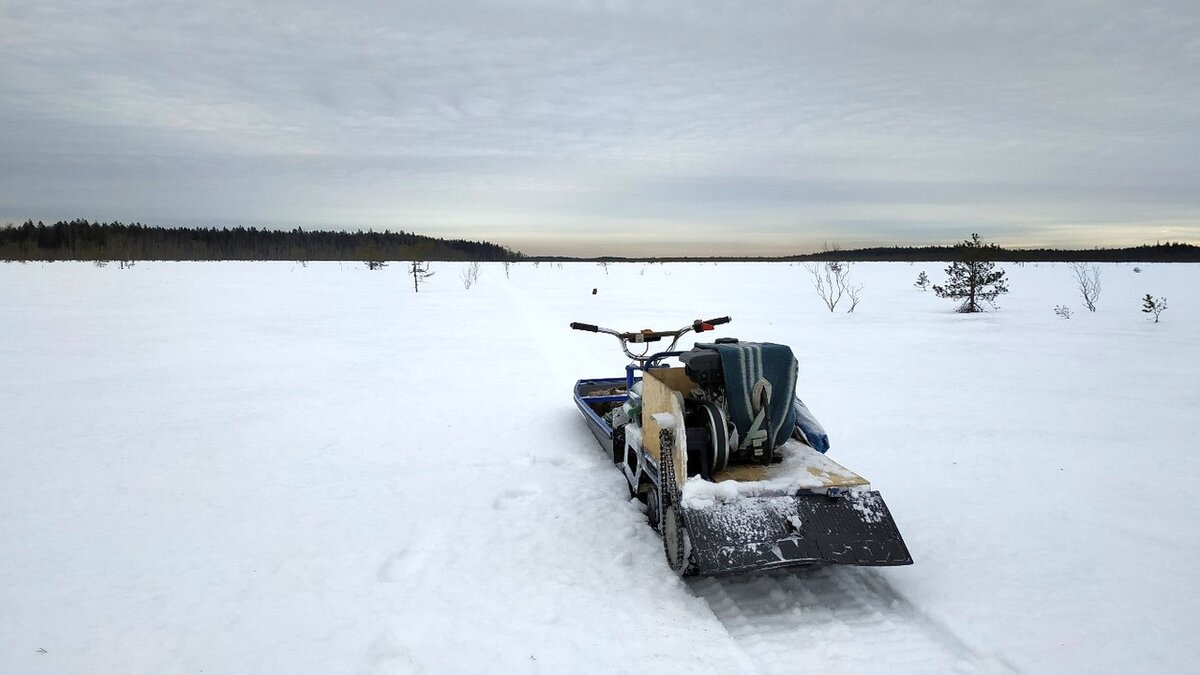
column 838, row 619
column 544, row 333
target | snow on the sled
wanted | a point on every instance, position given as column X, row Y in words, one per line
column 794, row 472
column 260, row 467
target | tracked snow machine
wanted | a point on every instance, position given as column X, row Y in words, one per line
column 729, row 461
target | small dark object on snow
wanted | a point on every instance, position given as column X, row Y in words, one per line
column 593, row 291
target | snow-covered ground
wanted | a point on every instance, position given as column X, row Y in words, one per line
column 269, row 468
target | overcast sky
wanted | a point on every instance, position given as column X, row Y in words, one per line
column 587, row 127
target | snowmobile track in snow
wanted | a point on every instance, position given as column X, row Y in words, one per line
column 850, row 617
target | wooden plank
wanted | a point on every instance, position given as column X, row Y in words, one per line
column 662, row 392
column 675, row 378
column 742, row 473
column 821, row 467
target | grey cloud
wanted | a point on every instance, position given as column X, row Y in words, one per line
column 784, row 122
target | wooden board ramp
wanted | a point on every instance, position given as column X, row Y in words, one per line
column 800, row 462
column 662, row 392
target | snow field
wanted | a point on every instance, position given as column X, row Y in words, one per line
column 263, row 467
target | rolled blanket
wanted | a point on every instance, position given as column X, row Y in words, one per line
column 808, row 426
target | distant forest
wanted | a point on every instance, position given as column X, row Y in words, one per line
column 1169, row 252
column 81, row 240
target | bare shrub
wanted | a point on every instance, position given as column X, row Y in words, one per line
column 852, row 292
column 470, row 275
column 831, row 280
column 1088, row 278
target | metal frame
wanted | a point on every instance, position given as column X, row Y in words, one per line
column 635, row 463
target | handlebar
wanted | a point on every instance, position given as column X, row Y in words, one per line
column 701, row 326
column 646, row 335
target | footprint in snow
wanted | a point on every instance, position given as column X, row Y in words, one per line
column 387, row 652
column 514, row 498
column 406, row 563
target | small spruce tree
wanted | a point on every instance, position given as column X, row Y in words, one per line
column 1155, row 306
column 973, row 279
column 922, row 281
column 420, row 272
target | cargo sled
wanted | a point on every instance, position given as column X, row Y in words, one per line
column 729, row 461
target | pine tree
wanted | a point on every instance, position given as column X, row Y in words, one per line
column 420, row 272
column 972, row 279
column 922, row 281
column 1155, row 306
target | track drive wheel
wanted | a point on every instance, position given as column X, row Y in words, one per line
column 676, row 543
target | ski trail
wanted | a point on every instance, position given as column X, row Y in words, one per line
column 546, row 335
column 849, row 617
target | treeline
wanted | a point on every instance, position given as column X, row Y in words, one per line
column 1169, row 252
column 83, row 240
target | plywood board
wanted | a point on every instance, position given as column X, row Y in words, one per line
column 662, row 392
column 801, row 464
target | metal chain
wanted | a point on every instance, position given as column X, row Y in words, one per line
column 670, row 497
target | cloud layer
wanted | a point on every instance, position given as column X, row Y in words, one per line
column 612, row 127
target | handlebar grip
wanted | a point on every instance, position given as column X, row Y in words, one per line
column 584, row 326
column 701, row 326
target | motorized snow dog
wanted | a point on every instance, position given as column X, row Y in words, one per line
column 729, row 461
